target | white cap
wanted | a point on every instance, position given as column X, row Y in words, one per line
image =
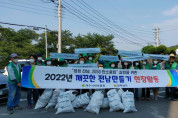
column 13, row 55
column 177, row 51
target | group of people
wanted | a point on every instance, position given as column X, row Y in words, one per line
column 14, row 75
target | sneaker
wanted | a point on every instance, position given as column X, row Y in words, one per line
column 173, row 99
column 156, row 98
column 148, row 99
column 10, row 112
column 29, row 107
column 17, row 107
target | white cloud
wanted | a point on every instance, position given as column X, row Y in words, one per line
column 171, row 12
column 168, row 31
column 167, row 23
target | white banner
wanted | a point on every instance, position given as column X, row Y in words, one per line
column 85, row 78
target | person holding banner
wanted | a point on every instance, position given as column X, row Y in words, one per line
column 14, row 83
column 39, row 61
column 90, row 58
column 135, row 65
column 170, row 65
column 62, row 63
column 155, row 66
column 30, row 91
column 126, row 65
column 48, row 62
column 145, row 66
column 119, row 65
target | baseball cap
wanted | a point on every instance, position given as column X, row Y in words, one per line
column 13, row 55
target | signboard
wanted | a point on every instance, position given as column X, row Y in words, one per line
column 160, row 57
column 135, row 58
column 87, row 50
column 92, row 65
column 108, row 58
column 88, row 78
column 64, row 56
column 129, row 53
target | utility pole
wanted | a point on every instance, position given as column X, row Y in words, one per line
column 157, row 36
column 46, row 41
column 59, row 27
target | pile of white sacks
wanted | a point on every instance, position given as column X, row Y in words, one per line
column 66, row 101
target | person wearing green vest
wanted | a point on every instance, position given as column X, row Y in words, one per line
column 90, row 58
column 39, row 61
column 85, row 55
column 30, row 91
column 14, row 83
column 170, row 65
column 48, row 62
column 155, row 66
column 145, row 91
column 62, row 63
column 135, row 65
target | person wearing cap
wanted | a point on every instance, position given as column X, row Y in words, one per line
column 81, row 60
column 177, row 55
column 39, row 61
column 90, row 58
column 62, row 63
column 170, row 65
column 14, row 83
column 85, row 55
column 48, row 62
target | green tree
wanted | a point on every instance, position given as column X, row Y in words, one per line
column 150, row 49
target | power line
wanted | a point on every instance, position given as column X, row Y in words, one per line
column 108, row 21
column 37, row 27
column 27, row 11
column 33, row 5
column 25, row 7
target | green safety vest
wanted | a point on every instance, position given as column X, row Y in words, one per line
column 135, row 67
column 89, row 62
column 43, row 64
column 147, row 67
column 169, row 67
column 158, row 67
column 16, row 73
column 65, row 65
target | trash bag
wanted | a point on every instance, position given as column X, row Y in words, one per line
column 128, row 102
column 120, row 92
column 81, row 100
column 105, row 103
column 73, row 94
column 53, row 100
column 64, row 103
column 114, row 101
column 44, row 98
column 95, row 102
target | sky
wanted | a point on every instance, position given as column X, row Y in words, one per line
column 132, row 22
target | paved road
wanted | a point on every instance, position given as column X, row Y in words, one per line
column 146, row 109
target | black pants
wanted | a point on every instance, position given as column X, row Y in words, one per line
column 35, row 96
column 170, row 92
column 146, row 92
